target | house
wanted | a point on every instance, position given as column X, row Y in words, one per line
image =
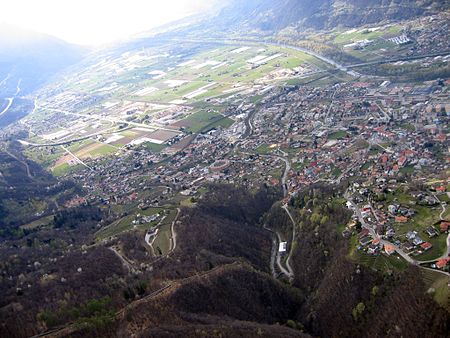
column 364, row 233
column 346, row 233
column 282, row 248
column 431, row 231
column 410, row 235
column 442, row 263
column 418, row 241
column 401, row 219
column 389, row 249
column 408, row 246
column 365, row 240
column 373, row 248
column 444, row 226
column 392, row 208
column 390, row 232
column 401, row 161
column 426, row 246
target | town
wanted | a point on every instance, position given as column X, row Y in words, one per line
column 145, row 133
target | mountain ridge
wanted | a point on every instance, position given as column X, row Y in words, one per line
column 33, row 58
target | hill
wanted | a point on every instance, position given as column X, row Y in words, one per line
column 271, row 16
column 32, row 58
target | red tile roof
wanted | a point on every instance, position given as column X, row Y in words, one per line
column 426, row 245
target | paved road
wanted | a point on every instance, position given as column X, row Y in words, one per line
column 320, row 57
column 399, row 251
column 288, row 260
column 386, row 115
column 147, row 240
column 406, row 58
column 174, row 233
column 241, row 42
column 374, row 235
column 444, row 255
column 124, row 261
column 111, row 119
column 275, row 255
column 287, row 168
column 11, row 99
column 10, row 102
column 443, row 206
column 331, row 104
column 23, row 162
column 75, row 157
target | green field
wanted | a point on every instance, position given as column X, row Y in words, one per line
column 65, row 168
column 125, row 224
column 154, row 147
column 263, row 149
column 439, row 247
column 438, row 282
column 38, row 223
column 337, row 135
column 381, row 262
column 361, row 34
column 162, row 243
column 202, row 120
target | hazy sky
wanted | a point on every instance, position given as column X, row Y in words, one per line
column 92, row 22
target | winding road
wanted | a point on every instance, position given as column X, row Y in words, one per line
column 23, row 162
column 174, row 233
column 397, row 249
column 11, row 99
column 10, row 102
column 288, row 260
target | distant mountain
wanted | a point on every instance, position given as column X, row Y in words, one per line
column 31, row 57
column 274, row 15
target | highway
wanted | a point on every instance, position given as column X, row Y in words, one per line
column 344, row 68
column 240, row 42
column 62, row 143
column 111, row 119
column 320, row 57
column 406, row 58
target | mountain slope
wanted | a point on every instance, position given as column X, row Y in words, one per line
column 31, row 58
column 270, row 15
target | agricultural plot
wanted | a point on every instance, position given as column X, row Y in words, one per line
column 130, row 222
column 214, row 73
column 368, row 33
column 198, row 121
column 160, row 88
column 163, row 241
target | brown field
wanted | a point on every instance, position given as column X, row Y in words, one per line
column 182, row 124
column 62, row 160
column 183, row 143
column 84, row 152
column 162, row 135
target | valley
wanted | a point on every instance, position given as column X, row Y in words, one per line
column 266, row 181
